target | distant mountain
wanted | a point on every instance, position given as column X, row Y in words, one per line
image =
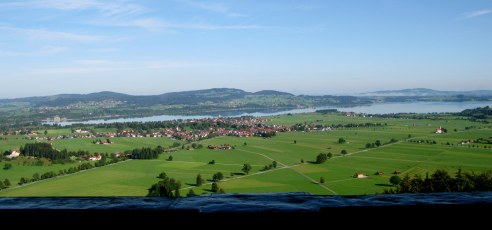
column 272, row 93
column 423, row 92
column 215, row 95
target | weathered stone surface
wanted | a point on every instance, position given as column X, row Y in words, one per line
column 273, row 202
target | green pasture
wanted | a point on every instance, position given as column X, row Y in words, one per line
column 134, row 177
column 20, row 169
column 119, row 144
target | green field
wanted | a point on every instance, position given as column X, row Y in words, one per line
column 134, row 177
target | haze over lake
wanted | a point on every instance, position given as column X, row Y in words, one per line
column 384, row 108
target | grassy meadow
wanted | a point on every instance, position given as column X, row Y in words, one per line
column 134, row 177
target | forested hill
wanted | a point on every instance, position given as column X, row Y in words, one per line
column 224, row 101
column 197, row 97
column 424, row 92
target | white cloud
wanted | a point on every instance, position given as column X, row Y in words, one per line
column 69, row 70
column 105, row 50
column 156, row 24
column 109, row 66
column 108, row 8
column 477, row 13
column 152, row 24
column 97, row 62
column 43, row 51
column 49, row 49
column 213, row 7
column 41, row 34
column 176, row 64
column 205, row 26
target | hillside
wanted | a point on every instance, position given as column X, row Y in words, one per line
column 198, row 102
column 225, row 101
column 424, row 92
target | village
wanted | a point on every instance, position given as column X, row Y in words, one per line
column 190, row 130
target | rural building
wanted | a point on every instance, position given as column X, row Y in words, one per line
column 95, row 157
column 13, row 154
column 439, row 130
column 221, row 147
column 359, row 175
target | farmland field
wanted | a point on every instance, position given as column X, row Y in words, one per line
column 288, row 149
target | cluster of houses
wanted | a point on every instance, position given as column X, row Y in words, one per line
column 95, row 157
column 237, row 127
column 219, row 147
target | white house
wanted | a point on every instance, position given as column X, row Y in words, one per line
column 13, row 154
column 95, row 158
column 439, row 130
column 359, row 175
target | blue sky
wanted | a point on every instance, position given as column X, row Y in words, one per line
column 300, row 46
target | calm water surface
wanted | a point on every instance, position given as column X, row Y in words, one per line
column 412, row 107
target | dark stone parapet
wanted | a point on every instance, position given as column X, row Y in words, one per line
column 445, row 209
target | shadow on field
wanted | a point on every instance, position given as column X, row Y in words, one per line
column 384, row 185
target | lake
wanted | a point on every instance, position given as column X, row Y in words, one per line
column 384, row 108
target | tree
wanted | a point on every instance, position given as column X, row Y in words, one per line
column 215, row 187
column 7, row 183
column 274, row 164
column 245, row 143
column 341, row 140
column 302, row 161
column 46, row 132
column 163, row 175
column 295, row 141
column 246, row 168
column 2, row 185
column 35, row 177
column 167, row 187
column 177, row 188
column 377, row 143
column 321, row 180
column 218, row 177
column 191, row 193
column 440, row 181
column 344, row 152
column 23, row 181
column 322, row 157
column 199, row 180
column 170, row 158
column 395, row 180
column 329, row 155
column 212, row 162
column 7, row 166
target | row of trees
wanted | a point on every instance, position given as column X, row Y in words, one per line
column 84, row 166
column 51, row 174
column 441, row 181
column 322, row 157
column 270, row 166
column 306, row 127
column 45, row 150
column 146, row 153
column 169, row 187
column 166, row 187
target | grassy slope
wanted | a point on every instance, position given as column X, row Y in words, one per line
column 134, row 177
